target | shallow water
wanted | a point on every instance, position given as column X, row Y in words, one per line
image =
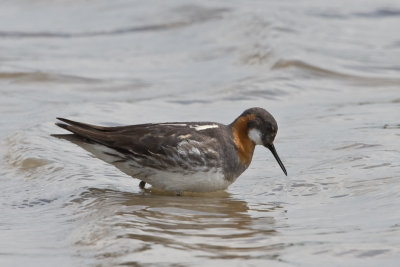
column 328, row 72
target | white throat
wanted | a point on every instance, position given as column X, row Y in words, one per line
column 255, row 136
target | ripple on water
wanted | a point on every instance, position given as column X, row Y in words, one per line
column 41, row 77
column 322, row 72
column 183, row 16
column 142, row 222
column 331, row 81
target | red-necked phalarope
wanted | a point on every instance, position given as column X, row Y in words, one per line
column 181, row 156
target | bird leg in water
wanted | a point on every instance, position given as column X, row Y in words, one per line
column 142, row 184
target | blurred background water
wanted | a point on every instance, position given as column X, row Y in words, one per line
column 329, row 71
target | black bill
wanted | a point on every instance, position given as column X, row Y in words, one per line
column 271, row 147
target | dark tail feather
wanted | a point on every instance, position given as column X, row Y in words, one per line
column 71, row 128
column 74, row 138
column 86, row 132
column 79, row 124
column 62, row 125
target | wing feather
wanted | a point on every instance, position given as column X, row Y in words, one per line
column 158, row 146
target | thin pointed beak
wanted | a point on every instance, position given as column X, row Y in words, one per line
column 271, row 147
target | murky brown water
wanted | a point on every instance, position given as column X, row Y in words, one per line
column 329, row 72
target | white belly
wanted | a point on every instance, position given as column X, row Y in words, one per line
column 202, row 181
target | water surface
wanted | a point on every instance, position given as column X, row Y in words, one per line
column 328, row 71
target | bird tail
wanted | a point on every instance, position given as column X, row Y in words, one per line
column 86, row 126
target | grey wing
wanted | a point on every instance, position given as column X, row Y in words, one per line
column 187, row 154
column 151, row 145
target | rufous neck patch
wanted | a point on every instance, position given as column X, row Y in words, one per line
column 242, row 141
